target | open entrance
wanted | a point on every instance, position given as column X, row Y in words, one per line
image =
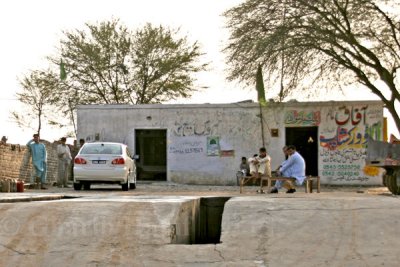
column 306, row 141
column 151, row 147
column 210, row 218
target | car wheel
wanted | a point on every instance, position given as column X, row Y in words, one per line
column 77, row 186
column 125, row 186
column 133, row 185
column 86, row 186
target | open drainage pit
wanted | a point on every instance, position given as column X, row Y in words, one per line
column 199, row 221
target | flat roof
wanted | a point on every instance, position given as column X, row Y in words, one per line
column 228, row 105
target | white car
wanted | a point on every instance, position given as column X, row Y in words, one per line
column 104, row 162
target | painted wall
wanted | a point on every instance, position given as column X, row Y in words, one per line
column 206, row 141
column 342, row 140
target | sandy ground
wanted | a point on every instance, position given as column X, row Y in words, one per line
column 341, row 226
column 169, row 188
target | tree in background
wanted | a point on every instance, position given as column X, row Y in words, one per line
column 38, row 98
column 108, row 64
column 327, row 44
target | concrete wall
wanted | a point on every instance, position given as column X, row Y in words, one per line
column 236, row 128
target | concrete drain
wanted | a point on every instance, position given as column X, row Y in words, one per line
column 202, row 225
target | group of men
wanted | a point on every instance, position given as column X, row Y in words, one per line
column 39, row 161
column 293, row 166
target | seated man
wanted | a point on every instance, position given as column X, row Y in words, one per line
column 293, row 167
column 278, row 184
column 260, row 165
column 244, row 167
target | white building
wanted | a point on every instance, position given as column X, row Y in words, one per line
column 203, row 143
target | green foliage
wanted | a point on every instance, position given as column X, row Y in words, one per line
column 330, row 43
column 109, row 64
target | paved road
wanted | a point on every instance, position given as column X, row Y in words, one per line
column 107, row 227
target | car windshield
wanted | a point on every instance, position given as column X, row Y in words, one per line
column 102, row 149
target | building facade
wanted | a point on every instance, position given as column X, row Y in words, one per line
column 204, row 143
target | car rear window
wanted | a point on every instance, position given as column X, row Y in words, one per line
column 102, row 149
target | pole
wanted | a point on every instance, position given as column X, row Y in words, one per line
column 262, row 125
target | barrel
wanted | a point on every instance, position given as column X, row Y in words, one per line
column 20, row 186
column 6, row 185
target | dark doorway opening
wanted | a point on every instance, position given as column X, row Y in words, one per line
column 211, row 210
column 201, row 224
column 306, row 141
column 151, row 147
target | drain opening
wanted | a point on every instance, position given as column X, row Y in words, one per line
column 211, row 210
column 199, row 222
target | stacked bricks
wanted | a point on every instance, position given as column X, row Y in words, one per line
column 16, row 162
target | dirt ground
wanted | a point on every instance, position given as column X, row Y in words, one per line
column 105, row 226
column 169, row 188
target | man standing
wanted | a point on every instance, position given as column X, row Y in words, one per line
column 81, row 142
column 293, row 167
column 39, row 160
column 64, row 159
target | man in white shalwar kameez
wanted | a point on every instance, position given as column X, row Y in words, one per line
column 64, row 160
column 260, row 166
column 294, row 167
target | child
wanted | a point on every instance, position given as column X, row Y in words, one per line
column 244, row 167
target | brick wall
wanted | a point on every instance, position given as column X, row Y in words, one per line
column 16, row 163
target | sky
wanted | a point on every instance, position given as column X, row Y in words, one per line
column 31, row 31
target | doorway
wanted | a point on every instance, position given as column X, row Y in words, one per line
column 151, row 149
column 306, row 141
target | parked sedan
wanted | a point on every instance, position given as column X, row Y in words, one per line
column 104, row 162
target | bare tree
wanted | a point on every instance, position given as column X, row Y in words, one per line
column 37, row 98
column 332, row 43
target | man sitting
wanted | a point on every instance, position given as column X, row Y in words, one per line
column 260, row 165
column 293, row 167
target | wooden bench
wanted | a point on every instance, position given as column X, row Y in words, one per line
column 308, row 182
column 244, row 180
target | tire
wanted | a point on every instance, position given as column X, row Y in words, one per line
column 86, row 186
column 77, row 186
column 392, row 178
column 125, row 186
column 132, row 186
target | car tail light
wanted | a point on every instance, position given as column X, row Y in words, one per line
column 118, row 161
column 80, row 161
